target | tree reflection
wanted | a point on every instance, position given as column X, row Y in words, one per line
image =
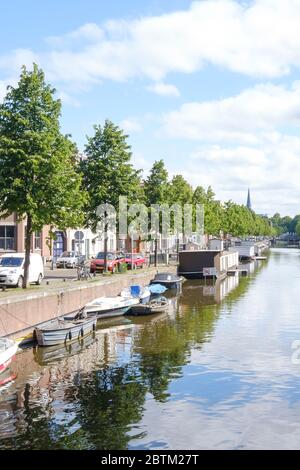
column 99, row 404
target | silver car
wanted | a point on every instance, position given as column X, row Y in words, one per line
column 69, row 259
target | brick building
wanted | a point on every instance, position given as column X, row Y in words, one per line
column 12, row 237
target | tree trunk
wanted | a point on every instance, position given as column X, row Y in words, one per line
column 105, row 252
column 27, row 251
column 105, row 245
column 155, row 252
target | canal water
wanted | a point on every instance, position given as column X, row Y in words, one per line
column 219, row 370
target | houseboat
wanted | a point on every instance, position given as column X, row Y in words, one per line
column 206, row 263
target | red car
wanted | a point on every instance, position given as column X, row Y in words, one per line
column 113, row 261
column 139, row 261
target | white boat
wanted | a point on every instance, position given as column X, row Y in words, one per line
column 105, row 307
column 8, row 349
column 139, row 292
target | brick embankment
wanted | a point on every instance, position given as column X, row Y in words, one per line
column 19, row 313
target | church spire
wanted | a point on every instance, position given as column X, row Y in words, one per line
column 249, row 205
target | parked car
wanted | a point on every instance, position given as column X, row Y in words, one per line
column 12, row 269
column 139, row 261
column 113, row 262
column 69, row 259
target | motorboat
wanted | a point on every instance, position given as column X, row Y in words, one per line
column 139, row 292
column 169, row 280
column 157, row 289
column 8, row 349
column 105, row 307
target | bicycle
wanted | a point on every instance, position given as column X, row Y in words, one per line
column 83, row 272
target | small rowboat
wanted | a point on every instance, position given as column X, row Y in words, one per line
column 8, row 349
column 154, row 306
column 63, row 330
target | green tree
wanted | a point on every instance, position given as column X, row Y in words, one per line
column 156, row 185
column 297, row 228
column 108, row 173
column 180, row 191
column 213, row 210
column 293, row 224
column 156, row 188
column 38, row 177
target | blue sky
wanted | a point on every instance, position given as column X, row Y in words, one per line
column 211, row 86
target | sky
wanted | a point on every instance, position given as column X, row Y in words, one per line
column 210, row 86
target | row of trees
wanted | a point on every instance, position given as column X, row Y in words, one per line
column 43, row 179
column 286, row 224
column 226, row 217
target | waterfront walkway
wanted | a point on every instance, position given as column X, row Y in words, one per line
column 21, row 310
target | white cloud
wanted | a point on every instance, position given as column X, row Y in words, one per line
column 164, row 89
column 68, row 99
column 271, row 170
column 89, row 32
column 18, row 57
column 4, row 84
column 131, row 125
column 239, row 118
column 260, row 39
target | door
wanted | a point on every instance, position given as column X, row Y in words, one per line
column 58, row 244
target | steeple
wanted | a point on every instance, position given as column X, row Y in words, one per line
column 249, row 200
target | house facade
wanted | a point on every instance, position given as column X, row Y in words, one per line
column 82, row 240
column 12, row 237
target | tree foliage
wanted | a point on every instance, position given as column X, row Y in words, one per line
column 38, row 177
column 107, row 171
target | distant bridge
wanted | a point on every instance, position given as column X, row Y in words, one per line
column 289, row 238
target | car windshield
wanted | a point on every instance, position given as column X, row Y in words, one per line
column 11, row 262
column 68, row 254
column 101, row 255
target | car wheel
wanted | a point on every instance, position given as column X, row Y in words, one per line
column 20, row 282
column 39, row 280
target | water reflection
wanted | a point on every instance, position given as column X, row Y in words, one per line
column 214, row 371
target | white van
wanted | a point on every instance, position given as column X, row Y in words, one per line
column 12, row 269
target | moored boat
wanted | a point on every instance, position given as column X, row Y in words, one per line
column 157, row 289
column 139, row 292
column 8, row 349
column 154, row 306
column 169, row 280
column 105, row 307
column 60, row 330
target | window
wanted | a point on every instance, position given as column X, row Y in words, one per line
column 38, row 240
column 11, row 262
column 7, row 237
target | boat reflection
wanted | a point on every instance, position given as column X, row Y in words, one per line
column 7, row 378
column 51, row 354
